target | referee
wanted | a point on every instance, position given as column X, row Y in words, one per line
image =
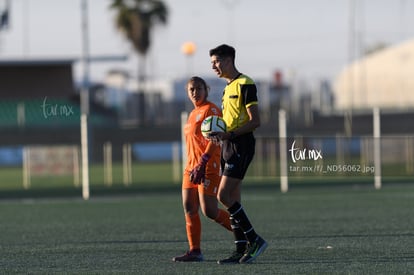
column 241, row 114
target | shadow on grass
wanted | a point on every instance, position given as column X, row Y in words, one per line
column 170, row 187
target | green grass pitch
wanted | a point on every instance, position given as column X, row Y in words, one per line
column 350, row 229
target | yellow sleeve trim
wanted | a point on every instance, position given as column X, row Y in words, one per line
column 251, row 103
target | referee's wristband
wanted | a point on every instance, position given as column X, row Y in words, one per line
column 232, row 135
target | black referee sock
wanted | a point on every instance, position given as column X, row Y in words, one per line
column 237, row 213
column 239, row 237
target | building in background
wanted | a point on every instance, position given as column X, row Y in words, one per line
column 382, row 79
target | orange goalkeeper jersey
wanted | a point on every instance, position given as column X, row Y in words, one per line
column 196, row 144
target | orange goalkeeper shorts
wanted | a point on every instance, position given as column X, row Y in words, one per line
column 208, row 187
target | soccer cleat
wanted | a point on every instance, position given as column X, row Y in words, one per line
column 189, row 256
column 233, row 259
column 254, row 250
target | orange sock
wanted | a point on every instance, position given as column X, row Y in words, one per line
column 223, row 218
column 193, row 228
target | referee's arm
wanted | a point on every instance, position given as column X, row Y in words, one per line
column 249, row 126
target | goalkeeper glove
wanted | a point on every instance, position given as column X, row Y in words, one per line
column 197, row 175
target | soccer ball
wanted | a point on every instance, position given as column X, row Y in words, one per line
column 212, row 124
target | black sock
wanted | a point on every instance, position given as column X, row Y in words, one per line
column 239, row 237
column 237, row 213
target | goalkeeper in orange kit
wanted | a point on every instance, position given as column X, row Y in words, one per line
column 202, row 172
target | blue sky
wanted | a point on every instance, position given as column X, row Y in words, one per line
column 307, row 38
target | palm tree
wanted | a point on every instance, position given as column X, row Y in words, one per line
column 135, row 19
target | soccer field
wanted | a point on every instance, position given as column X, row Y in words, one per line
column 312, row 230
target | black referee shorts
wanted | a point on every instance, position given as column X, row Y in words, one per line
column 236, row 155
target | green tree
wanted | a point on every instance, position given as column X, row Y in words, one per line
column 135, row 19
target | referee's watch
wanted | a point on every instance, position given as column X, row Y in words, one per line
column 232, row 135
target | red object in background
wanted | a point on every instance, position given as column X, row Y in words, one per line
column 278, row 79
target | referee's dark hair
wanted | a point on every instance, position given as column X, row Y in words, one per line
column 223, row 51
